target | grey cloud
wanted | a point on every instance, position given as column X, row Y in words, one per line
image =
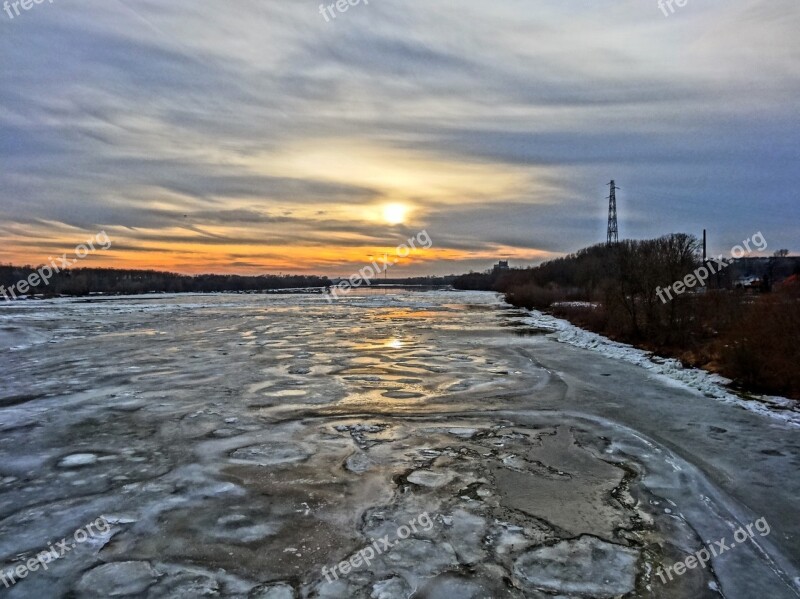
column 103, row 117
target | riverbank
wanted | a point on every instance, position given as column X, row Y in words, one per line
column 708, row 383
column 749, row 341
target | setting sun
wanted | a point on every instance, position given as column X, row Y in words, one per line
column 395, row 214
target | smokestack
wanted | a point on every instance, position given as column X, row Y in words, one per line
column 704, row 246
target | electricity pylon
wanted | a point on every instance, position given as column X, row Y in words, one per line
column 613, row 228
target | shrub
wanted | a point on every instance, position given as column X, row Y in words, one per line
column 762, row 352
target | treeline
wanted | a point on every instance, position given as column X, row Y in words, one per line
column 617, row 291
column 84, row 281
column 429, row 281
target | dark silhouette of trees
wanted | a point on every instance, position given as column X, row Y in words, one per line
column 84, row 281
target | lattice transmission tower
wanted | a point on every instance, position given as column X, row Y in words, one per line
column 613, row 228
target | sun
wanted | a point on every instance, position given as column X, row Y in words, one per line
column 395, row 214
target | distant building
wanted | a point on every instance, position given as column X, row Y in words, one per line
column 501, row 266
column 762, row 273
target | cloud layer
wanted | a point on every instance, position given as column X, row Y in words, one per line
column 256, row 136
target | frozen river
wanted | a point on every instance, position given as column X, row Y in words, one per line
column 271, row 446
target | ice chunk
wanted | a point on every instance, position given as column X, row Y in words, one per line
column 191, row 583
column 466, row 536
column 76, row 460
column 586, row 566
column 185, row 581
column 447, row 586
column 117, row 579
column 359, row 462
column 393, row 588
column 422, row 557
column 428, row 478
column 273, row 591
column 464, row 433
column 240, row 528
column 271, row 454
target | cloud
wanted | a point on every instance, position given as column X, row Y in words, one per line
column 259, row 125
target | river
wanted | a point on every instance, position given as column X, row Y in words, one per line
column 264, row 445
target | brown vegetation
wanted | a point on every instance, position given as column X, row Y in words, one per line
column 762, row 350
column 747, row 337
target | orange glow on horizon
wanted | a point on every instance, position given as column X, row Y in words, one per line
column 196, row 258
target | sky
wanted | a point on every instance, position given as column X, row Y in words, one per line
column 263, row 136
